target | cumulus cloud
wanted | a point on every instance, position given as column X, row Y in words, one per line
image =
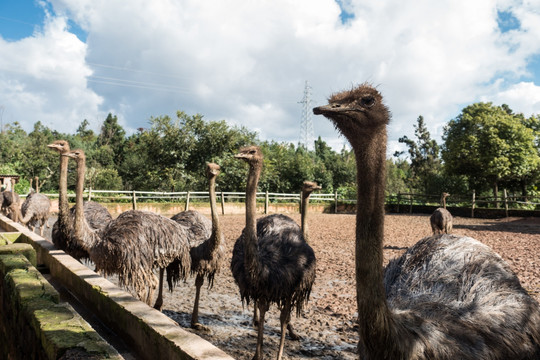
column 246, row 62
column 43, row 78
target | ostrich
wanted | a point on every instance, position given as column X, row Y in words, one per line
column 447, row 297
column 271, row 262
column 35, row 209
column 207, row 245
column 307, row 188
column 95, row 214
column 441, row 219
column 132, row 244
column 11, row 203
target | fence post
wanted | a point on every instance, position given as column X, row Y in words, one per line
column 398, row 201
column 411, row 196
column 222, row 204
column 505, row 203
column 300, row 203
column 89, row 194
column 266, row 202
column 187, row 201
column 473, row 203
column 335, row 203
column 134, row 200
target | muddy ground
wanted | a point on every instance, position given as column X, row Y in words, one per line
column 327, row 324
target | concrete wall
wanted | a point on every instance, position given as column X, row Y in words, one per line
column 151, row 334
column 34, row 323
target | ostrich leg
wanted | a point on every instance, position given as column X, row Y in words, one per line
column 263, row 308
column 199, row 280
column 284, row 319
column 159, row 301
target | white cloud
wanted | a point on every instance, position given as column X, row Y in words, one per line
column 43, row 78
column 246, row 62
column 523, row 97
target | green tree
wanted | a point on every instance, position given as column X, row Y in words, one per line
column 424, row 157
column 489, row 144
column 111, row 139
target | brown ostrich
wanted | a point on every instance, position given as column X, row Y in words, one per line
column 96, row 215
column 271, row 262
column 441, row 219
column 207, row 245
column 447, row 297
column 307, row 188
column 35, row 209
column 131, row 245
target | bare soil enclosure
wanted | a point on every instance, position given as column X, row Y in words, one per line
column 327, row 326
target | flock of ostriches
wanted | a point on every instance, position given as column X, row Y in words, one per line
column 447, row 297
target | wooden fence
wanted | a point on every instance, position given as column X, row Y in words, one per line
column 506, row 202
column 336, row 200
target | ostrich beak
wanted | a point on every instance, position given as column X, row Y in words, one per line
column 329, row 109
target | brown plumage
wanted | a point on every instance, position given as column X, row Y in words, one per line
column 441, row 219
column 35, row 209
column 447, row 297
column 131, row 245
column 207, row 245
column 271, row 262
column 11, row 203
column 96, row 215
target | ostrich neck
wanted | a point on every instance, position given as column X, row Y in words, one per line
column 216, row 229
column 63, row 207
column 303, row 216
column 443, row 201
column 375, row 319
column 85, row 236
column 251, row 254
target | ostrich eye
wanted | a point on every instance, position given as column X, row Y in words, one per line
column 252, row 151
column 367, row 101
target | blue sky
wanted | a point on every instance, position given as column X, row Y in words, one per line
column 247, row 62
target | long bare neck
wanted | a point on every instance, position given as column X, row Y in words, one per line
column 375, row 319
column 63, row 206
column 303, row 216
column 443, row 201
column 251, row 254
column 82, row 232
column 216, row 228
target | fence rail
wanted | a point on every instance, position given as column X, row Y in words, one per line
column 400, row 200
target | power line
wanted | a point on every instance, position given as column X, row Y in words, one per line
column 307, row 136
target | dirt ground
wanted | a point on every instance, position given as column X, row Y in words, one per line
column 327, row 324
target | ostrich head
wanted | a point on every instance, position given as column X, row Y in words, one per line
column 356, row 111
column 212, row 170
column 62, row 146
column 78, row 155
column 250, row 154
column 309, row 186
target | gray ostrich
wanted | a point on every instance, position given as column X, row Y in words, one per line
column 11, row 203
column 132, row 244
column 96, row 215
column 207, row 245
column 441, row 219
column 271, row 262
column 35, row 209
column 447, row 297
